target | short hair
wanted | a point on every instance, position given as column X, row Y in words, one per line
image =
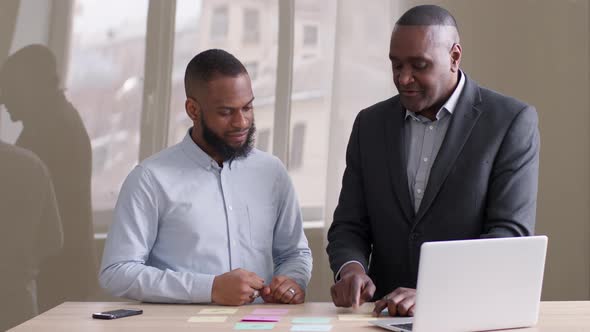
column 427, row 15
column 208, row 64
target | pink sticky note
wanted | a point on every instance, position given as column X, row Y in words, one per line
column 260, row 318
column 270, row 311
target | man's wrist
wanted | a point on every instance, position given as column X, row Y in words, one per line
column 214, row 289
column 352, row 268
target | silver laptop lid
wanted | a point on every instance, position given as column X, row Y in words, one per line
column 483, row 284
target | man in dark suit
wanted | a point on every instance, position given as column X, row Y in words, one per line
column 445, row 159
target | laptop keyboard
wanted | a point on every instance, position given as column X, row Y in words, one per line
column 403, row 326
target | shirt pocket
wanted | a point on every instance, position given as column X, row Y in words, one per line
column 262, row 220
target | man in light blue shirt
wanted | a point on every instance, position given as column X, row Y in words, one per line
column 210, row 219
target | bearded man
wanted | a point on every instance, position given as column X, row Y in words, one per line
column 211, row 219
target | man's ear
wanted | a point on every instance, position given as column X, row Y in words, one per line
column 456, row 52
column 192, row 108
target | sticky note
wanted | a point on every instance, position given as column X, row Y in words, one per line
column 260, row 318
column 311, row 320
column 207, row 319
column 254, row 326
column 270, row 311
column 358, row 317
column 218, row 311
column 311, row 327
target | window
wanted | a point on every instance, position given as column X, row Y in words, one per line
column 367, row 64
column 251, row 26
column 105, row 85
column 310, row 35
column 297, row 146
column 252, row 68
column 260, row 59
column 263, row 139
column 219, row 23
column 111, row 53
column 311, row 103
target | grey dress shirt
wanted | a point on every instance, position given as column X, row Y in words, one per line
column 180, row 220
column 424, row 139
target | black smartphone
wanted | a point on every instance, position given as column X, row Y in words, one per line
column 114, row 314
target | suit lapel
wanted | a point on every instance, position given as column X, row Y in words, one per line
column 463, row 119
column 396, row 156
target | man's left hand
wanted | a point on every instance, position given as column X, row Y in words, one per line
column 283, row 289
column 400, row 302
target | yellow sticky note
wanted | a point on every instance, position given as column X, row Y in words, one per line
column 207, row 319
column 218, row 311
column 357, row 317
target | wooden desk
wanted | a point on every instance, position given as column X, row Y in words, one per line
column 76, row 316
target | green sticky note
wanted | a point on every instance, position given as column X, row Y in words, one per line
column 254, row 326
column 311, row 320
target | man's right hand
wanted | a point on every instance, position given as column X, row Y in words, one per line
column 236, row 287
column 354, row 287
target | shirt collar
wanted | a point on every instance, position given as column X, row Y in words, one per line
column 450, row 104
column 195, row 153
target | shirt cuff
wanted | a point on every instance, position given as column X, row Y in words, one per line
column 337, row 277
column 202, row 288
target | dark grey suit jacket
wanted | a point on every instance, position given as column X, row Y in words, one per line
column 483, row 183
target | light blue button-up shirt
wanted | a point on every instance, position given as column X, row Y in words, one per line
column 181, row 220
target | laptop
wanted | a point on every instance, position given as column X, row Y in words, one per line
column 475, row 285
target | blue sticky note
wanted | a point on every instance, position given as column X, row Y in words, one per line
column 311, row 320
column 254, row 326
column 311, row 327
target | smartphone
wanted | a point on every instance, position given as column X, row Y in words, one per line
column 114, row 314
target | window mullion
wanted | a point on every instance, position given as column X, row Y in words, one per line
column 282, row 112
column 157, row 75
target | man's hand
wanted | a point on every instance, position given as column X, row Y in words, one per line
column 400, row 302
column 283, row 289
column 236, row 287
column 354, row 287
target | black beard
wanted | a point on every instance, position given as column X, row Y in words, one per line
column 226, row 151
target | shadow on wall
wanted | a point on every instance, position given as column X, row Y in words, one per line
column 31, row 231
column 53, row 131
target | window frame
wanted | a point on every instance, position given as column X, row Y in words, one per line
column 155, row 110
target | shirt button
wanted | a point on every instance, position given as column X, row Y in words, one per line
column 229, row 207
column 425, row 159
column 419, row 191
column 430, row 127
